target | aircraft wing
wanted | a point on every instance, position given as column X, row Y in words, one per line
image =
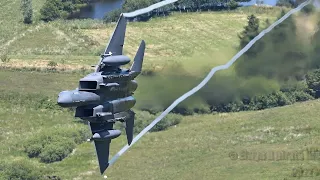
column 102, row 146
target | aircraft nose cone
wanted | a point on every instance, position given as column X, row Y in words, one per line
column 64, row 100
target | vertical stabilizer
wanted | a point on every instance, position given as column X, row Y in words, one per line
column 116, row 42
column 138, row 59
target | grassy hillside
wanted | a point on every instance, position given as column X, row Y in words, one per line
column 76, row 43
column 197, row 148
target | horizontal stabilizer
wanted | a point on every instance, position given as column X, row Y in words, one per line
column 102, row 150
column 138, row 59
column 129, row 126
column 102, row 147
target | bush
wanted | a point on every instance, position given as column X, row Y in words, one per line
column 301, row 96
column 166, row 122
column 186, row 111
column 20, row 170
column 57, row 151
column 34, row 150
column 308, row 9
column 4, row 57
column 202, row 109
column 112, row 16
column 52, row 64
column 56, row 144
column 142, row 119
column 313, row 82
column 268, row 101
column 229, row 107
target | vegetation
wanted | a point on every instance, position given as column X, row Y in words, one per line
column 54, row 9
column 26, row 8
column 40, row 140
column 179, row 6
column 20, row 170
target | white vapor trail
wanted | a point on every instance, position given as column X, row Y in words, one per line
column 207, row 78
column 149, row 8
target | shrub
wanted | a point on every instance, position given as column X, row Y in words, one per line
column 56, row 144
column 57, row 151
column 112, row 16
column 20, row 170
column 308, row 9
column 268, row 101
column 142, row 119
column 301, row 96
column 33, row 150
column 166, row 122
column 186, row 111
column 202, row 109
column 52, row 64
column 4, row 57
column 313, row 82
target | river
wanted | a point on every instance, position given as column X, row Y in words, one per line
column 98, row 9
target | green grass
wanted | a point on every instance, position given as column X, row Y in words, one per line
column 193, row 39
column 198, row 148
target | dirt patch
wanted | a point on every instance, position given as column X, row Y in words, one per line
column 15, row 63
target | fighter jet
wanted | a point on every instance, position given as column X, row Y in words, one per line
column 105, row 96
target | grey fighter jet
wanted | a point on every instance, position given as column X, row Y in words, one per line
column 105, row 96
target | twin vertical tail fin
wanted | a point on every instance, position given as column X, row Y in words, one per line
column 116, row 42
column 138, row 59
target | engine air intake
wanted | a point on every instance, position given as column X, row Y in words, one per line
column 88, row 85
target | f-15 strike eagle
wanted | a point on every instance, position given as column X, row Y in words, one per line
column 105, row 96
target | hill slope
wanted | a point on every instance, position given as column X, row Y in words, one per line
column 198, row 148
column 176, row 38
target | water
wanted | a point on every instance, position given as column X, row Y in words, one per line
column 266, row 2
column 98, row 9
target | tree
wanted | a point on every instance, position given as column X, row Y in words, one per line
column 51, row 10
column 27, row 12
column 316, row 48
column 286, row 3
column 250, row 31
column 232, row 4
